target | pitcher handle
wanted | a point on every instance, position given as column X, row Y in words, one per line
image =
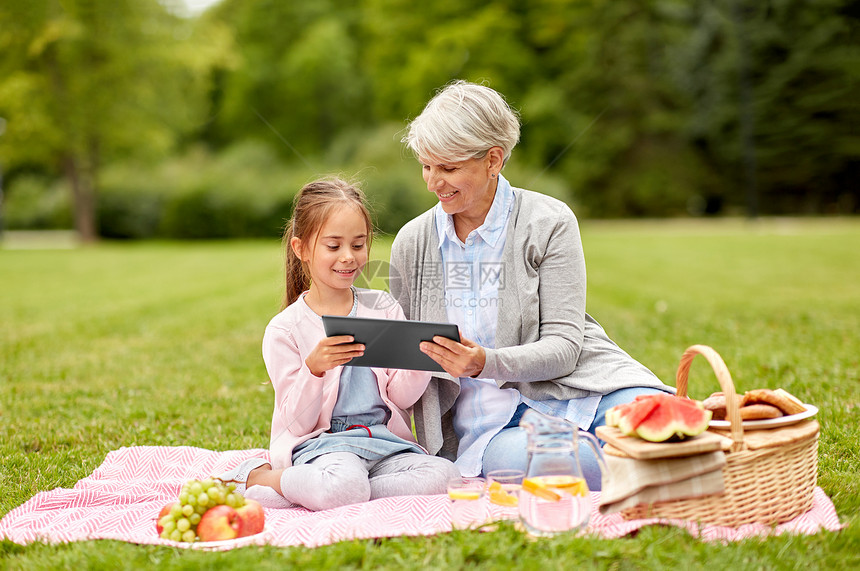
column 598, row 452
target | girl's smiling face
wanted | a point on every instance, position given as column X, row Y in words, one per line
column 337, row 252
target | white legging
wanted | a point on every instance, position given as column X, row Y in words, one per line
column 341, row 478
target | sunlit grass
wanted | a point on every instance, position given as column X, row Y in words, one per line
column 159, row 344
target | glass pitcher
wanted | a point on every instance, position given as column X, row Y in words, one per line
column 554, row 497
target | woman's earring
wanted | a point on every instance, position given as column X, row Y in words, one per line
column 493, row 175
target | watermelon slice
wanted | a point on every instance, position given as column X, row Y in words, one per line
column 633, row 416
column 613, row 415
column 661, row 417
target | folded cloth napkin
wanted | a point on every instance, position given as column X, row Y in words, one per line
column 632, row 482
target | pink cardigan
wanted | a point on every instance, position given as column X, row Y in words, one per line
column 304, row 402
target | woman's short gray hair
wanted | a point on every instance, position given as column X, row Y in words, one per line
column 463, row 121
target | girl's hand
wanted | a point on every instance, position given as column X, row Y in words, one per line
column 331, row 352
column 464, row 359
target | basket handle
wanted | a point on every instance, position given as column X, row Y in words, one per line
column 726, row 384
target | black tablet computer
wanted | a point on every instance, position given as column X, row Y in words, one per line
column 390, row 343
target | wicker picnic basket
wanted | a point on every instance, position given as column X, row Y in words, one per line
column 769, row 475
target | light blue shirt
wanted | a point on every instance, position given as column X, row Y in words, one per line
column 473, row 275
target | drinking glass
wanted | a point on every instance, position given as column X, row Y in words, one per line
column 503, row 492
column 468, row 502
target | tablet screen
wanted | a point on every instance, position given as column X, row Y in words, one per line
column 390, row 343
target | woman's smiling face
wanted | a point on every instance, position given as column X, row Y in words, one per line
column 464, row 188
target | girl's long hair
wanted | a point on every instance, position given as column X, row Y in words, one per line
column 311, row 208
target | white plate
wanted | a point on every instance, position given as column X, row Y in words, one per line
column 769, row 422
column 256, row 539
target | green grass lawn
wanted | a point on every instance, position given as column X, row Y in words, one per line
column 159, row 344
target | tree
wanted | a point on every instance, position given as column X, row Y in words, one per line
column 300, row 83
column 89, row 81
column 412, row 50
column 801, row 60
column 633, row 157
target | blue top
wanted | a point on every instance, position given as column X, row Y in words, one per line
column 358, row 399
column 358, row 402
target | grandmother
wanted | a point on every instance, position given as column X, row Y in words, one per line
column 506, row 265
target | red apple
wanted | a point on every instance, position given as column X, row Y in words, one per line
column 252, row 516
column 219, row 523
column 164, row 511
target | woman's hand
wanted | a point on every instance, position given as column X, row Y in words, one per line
column 331, row 352
column 464, row 359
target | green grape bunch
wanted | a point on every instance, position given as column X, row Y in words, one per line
column 178, row 520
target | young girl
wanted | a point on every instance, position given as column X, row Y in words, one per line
column 340, row 434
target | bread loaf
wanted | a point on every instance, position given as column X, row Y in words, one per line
column 787, row 403
column 759, row 412
column 716, row 403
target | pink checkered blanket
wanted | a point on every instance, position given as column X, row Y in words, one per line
column 121, row 499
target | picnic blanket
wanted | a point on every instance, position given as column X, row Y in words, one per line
column 120, row 500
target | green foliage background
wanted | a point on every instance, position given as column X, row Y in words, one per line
column 131, row 118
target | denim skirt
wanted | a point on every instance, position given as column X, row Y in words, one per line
column 383, row 443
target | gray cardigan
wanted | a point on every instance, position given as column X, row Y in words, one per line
column 547, row 346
